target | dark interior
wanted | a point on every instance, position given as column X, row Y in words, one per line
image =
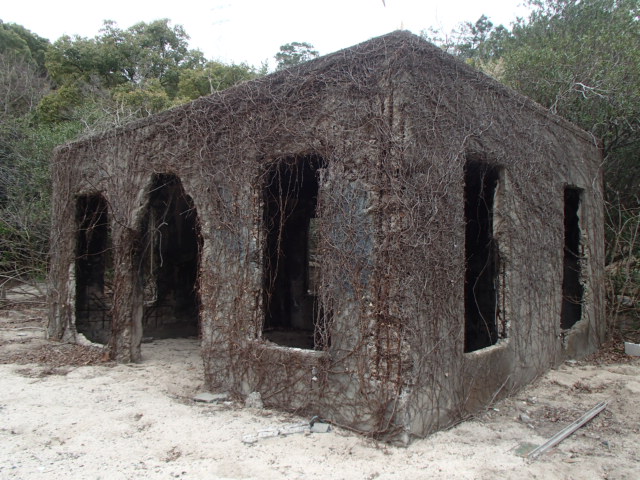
column 169, row 261
column 572, row 289
column 94, row 269
column 481, row 256
column 291, row 266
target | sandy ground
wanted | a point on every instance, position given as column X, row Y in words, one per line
column 65, row 413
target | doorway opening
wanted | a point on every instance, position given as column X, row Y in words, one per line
column 169, row 261
column 293, row 314
column 482, row 261
column 572, row 288
column 93, row 268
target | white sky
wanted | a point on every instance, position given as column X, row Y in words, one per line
column 252, row 30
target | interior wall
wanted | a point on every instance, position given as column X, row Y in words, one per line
column 168, row 261
column 481, row 256
column 572, row 289
column 291, row 269
column 93, row 268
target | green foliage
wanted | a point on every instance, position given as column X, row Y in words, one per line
column 212, row 77
column 17, row 40
column 51, row 94
column 294, row 53
column 73, row 59
column 128, row 74
column 24, row 157
column 25, row 195
column 623, row 260
column 149, row 51
column 11, row 42
column 21, row 85
column 477, row 43
column 143, row 100
column 582, row 61
column 474, row 38
column 144, row 52
column 60, row 104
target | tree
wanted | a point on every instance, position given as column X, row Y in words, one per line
column 51, row 94
column 474, row 38
column 477, row 43
column 140, row 53
column 21, row 85
column 26, row 199
column 150, row 51
column 212, row 77
column 25, row 149
column 130, row 73
column 582, row 61
column 294, row 53
column 17, row 40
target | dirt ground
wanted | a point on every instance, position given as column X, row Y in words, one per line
column 67, row 413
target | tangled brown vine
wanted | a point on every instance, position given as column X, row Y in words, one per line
column 317, row 218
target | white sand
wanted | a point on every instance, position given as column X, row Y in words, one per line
column 138, row 421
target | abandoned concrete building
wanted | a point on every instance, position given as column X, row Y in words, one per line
column 382, row 236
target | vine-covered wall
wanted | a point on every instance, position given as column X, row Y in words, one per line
column 329, row 207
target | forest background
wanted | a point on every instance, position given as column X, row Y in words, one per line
column 580, row 59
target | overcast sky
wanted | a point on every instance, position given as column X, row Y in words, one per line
column 252, row 30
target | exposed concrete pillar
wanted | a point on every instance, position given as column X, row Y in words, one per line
column 127, row 312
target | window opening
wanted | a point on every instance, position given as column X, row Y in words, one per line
column 482, row 263
column 572, row 288
column 292, row 260
column 93, row 269
column 168, row 261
